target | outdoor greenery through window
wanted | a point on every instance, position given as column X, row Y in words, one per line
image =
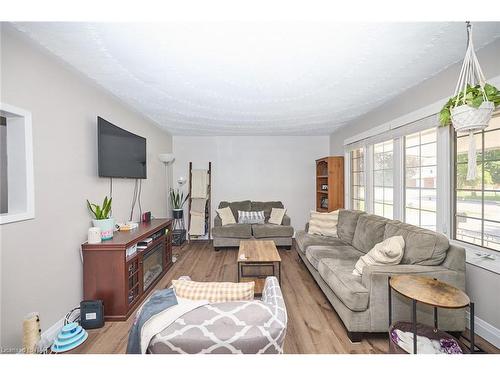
column 357, row 179
column 477, row 203
column 420, row 178
column 383, row 185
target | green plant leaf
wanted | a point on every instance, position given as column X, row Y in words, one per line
column 477, row 101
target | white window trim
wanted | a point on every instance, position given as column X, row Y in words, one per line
column 29, row 211
column 444, row 193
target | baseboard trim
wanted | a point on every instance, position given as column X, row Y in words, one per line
column 485, row 330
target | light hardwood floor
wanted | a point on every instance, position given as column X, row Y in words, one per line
column 313, row 325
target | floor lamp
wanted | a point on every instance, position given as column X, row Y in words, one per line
column 168, row 160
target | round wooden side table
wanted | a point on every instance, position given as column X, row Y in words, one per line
column 432, row 292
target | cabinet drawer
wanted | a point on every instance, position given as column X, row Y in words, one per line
column 258, row 269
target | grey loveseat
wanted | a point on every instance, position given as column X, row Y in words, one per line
column 362, row 301
column 230, row 235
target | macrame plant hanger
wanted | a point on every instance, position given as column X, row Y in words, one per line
column 464, row 117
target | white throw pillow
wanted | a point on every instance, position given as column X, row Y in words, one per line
column 226, row 215
column 324, row 223
column 277, row 215
column 389, row 251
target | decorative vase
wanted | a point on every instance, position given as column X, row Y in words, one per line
column 107, row 226
column 178, row 213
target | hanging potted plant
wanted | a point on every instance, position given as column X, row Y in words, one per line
column 472, row 105
column 102, row 219
column 177, row 200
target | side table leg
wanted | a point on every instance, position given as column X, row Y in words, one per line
column 389, row 299
column 435, row 318
column 471, row 318
column 414, row 323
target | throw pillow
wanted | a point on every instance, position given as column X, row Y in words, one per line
column 324, row 223
column 277, row 215
column 389, row 251
column 251, row 217
column 213, row 291
column 226, row 215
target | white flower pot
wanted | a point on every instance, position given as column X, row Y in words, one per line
column 466, row 118
column 107, row 226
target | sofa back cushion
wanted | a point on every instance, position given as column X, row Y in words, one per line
column 422, row 246
column 236, row 206
column 266, row 207
column 348, row 219
column 369, row 232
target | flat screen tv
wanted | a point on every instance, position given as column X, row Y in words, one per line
column 120, row 153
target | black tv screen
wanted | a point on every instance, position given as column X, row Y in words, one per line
column 120, row 153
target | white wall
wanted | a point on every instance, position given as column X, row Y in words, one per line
column 481, row 284
column 257, row 168
column 40, row 261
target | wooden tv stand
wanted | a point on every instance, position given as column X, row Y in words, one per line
column 117, row 279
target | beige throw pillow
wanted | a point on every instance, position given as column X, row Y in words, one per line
column 214, row 292
column 277, row 215
column 324, row 223
column 389, row 251
column 226, row 215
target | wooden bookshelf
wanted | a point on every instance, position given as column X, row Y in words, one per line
column 330, row 183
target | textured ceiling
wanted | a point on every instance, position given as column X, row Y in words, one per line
column 242, row 79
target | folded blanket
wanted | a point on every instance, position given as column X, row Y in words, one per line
column 199, row 183
column 198, row 205
column 159, row 301
column 197, row 224
column 161, row 310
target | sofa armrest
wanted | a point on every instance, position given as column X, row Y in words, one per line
column 375, row 279
column 217, row 221
column 286, row 220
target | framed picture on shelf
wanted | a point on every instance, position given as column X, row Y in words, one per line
column 324, row 187
column 324, row 202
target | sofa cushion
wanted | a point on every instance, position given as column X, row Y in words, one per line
column 422, row 246
column 235, row 206
column 346, row 226
column 233, row 231
column 266, row 207
column 323, row 223
column 304, row 240
column 369, row 232
column 341, row 254
column 271, row 230
column 346, row 286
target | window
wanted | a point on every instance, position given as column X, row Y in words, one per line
column 477, row 202
column 357, row 180
column 16, row 165
column 420, row 178
column 383, row 185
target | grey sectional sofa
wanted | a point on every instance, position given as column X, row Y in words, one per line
column 230, row 235
column 362, row 301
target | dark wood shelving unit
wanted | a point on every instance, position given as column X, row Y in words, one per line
column 117, row 279
column 330, row 173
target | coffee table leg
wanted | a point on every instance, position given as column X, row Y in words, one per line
column 414, row 323
column 471, row 318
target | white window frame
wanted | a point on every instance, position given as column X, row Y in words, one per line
column 20, row 165
column 444, row 182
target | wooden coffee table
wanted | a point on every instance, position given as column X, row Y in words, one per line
column 258, row 260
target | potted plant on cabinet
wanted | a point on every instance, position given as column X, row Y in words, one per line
column 177, row 200
column 102, row 219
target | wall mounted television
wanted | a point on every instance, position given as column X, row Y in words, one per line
column 121, row 154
